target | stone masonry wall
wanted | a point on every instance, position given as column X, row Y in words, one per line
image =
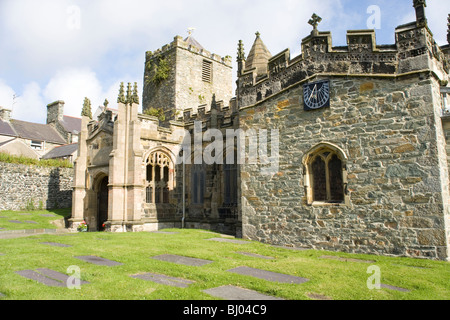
column 390, row 130
column 22, row 184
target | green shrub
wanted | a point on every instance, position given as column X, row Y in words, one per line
column 8, row 158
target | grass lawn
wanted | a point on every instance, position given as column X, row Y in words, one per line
column 339, row 280
column 42, row 221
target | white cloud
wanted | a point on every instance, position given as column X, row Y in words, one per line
column 29, row 105
column 6, row 95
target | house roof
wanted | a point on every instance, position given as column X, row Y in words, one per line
column 36, row 131
column 6, row 129
column 71, row 124
column 61, row 151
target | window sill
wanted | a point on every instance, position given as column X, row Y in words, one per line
column 327, row 204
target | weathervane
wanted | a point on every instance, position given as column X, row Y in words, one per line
column 190, row 31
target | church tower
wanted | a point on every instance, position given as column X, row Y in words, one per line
column 183, row 75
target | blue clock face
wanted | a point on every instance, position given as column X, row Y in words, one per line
column 316, row 95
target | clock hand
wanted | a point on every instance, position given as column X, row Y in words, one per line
column 312, row 93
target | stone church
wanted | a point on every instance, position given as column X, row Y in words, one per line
column 358, row 132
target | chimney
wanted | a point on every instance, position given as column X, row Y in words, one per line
column 55, row 112
column 5, row 114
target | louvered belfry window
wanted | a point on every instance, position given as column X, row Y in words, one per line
column 207, row 71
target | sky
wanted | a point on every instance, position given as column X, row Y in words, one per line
column 71, row 49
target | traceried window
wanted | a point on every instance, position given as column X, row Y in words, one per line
column 325, row 176
column 158, row 178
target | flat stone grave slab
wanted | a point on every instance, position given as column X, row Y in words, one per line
column 229, row 240
column 292, row 248
column 2, row 295
column 254, row 255
column 316, row 296
column 163, row 279
column 15, row 221
column 31, row 222
column 386, row 286
column 346, row 259
column 236, row 293
column 164, row 232
column 194, row 262
column 25, row 214
column 47, row 215
column 55, row 244
column 47, row 277
column 99, row 261
column 268, row 275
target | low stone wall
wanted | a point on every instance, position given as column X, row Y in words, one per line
column 23, row 185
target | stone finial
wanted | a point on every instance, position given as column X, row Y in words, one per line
column 129, row 98
column 135, row 96
column 314, row 21
column 106, row 103
column 87, row 111
column 258, row 34
column 121, row 97
column 241, row 53
column 448, row 29
column 421, row 19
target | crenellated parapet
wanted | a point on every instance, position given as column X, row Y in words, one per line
column 414, row 50
column 193, row 47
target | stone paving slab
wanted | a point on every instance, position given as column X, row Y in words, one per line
column 268, row 275
column 182, row 260
column 229, row 240
column 346, row 259
column 236, row 293
column 99, row 261
column 55, row 244
column 163, row 279
column 254, row 255
column 386, row 286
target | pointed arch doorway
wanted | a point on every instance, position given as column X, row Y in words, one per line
column 102, row 200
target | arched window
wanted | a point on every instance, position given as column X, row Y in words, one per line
column 158, row 180
column 325, row 175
